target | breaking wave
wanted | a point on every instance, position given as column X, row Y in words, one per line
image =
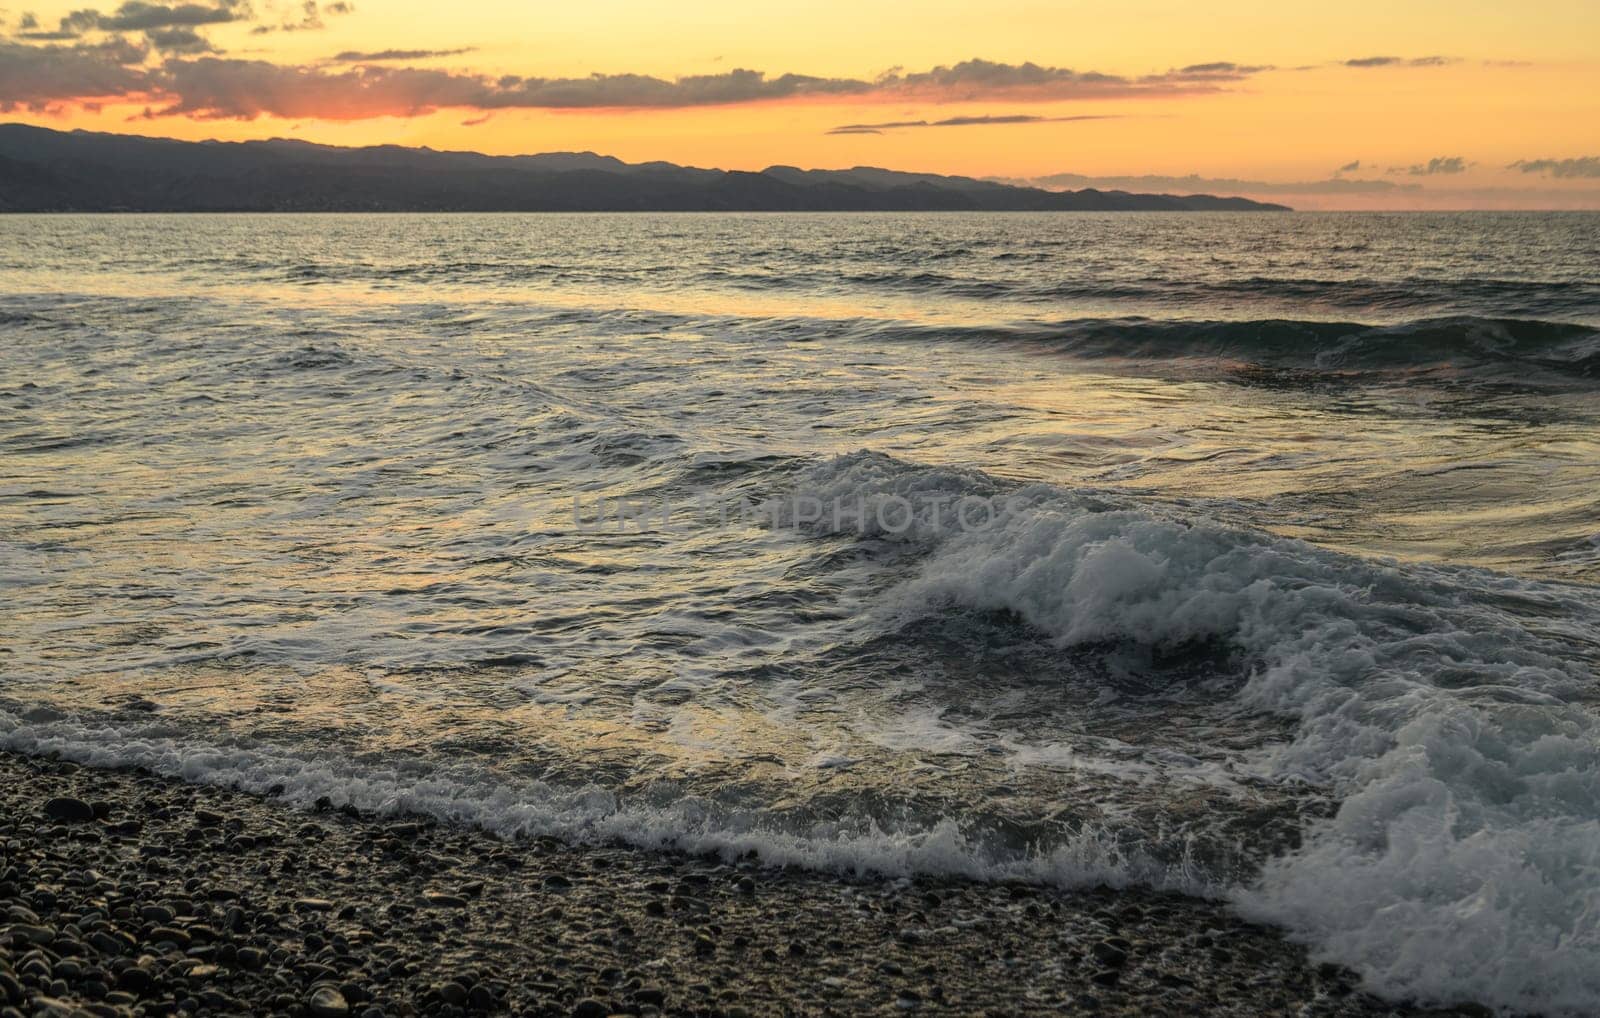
column 1449, row 709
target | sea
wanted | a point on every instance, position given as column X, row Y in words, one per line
column 1248, row 556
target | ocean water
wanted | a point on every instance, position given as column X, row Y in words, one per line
column 1251, row 556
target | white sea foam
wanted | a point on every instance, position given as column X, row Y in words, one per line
column 510, row 808
column 1464, row 861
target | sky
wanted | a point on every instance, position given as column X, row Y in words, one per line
column 1388, row 105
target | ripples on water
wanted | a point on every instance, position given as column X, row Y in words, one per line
column 1294, row 603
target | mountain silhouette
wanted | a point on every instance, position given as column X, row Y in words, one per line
column 81, row 171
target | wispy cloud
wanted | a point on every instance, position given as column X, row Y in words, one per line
column 1225, row 67
column 1582, row 166
column 1436, row 166
column 1433, row 61
column 979, row 121
column 351, row 56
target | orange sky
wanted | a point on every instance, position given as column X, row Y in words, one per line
column 1247, row 96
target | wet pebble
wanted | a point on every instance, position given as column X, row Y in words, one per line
column 68, row 809
column 327, row 1002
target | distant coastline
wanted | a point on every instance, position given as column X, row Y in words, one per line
column 53, row 171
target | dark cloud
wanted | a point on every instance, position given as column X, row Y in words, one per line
column 245, row 89
column 1014, row 118
column 179, row 40
column 1225, row 67
column 1434, row 167
column 633, row 90
column 37, row 77
column 215, row 88
column 135, row 16
column 888, row 125
column 28, row 28
column 79, row 22
column 1435, row 61
column 351, row 56
column 997, row 77
column 1350, row 167
column 1583, row 166
column 973, row 79
column 117, row 49
column 210, row 87
column 307, row 17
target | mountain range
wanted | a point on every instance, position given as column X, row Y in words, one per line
column 81, row 171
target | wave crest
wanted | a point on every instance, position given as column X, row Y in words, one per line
column 1499, row 350
column 1438, row 703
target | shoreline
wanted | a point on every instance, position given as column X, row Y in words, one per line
column 126, row 893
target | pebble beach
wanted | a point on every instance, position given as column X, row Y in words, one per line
column 123, row 893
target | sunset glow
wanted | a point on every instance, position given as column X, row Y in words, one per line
column 1367, row 105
